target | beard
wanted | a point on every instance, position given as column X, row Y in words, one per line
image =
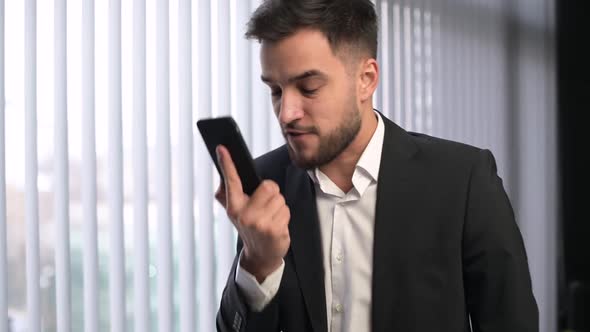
column 331, row 144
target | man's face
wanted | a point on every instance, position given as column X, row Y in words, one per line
column 313, row 95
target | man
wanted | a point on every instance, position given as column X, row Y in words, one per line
column 360, row 225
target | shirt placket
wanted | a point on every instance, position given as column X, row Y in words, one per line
column 338, row 273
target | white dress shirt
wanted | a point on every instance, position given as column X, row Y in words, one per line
column 346, row 226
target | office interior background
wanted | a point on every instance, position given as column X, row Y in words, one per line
column 107, row 216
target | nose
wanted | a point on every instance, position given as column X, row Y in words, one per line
column 289, row 108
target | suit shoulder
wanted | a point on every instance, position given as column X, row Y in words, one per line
column 446, row 153
column 454, row 168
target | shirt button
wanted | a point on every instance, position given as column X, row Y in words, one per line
column 338, row 307
column 339, row 257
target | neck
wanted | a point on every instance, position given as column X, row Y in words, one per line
column 341, row 169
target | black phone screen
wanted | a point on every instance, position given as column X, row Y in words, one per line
column 225, row 131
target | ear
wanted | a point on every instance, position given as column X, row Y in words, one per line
column 368, row 79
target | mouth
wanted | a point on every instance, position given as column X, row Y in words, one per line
column 297, row 137
column 296, row 134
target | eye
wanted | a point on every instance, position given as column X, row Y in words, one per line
column 308, row 92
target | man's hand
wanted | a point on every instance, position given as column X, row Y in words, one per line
column 262, row 220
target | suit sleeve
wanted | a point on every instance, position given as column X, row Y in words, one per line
column 499, row 295
column 234, row 315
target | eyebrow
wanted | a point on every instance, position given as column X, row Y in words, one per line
column 304, row 75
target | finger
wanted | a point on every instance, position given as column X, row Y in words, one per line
column 282, row 214
column 263, row 194
column 261, row 214
column 220, row 194
column 281, row 222
column 275, row 204
column 233, row 185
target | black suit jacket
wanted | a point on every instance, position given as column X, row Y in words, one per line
column 446, row 246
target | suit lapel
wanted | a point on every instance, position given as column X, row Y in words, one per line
column 393, row 210
column 306, row 245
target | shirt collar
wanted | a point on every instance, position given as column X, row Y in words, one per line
column 369, row 162
column 371, row 158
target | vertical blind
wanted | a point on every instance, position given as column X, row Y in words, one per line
column 60, row 160
column 31, row 168
column 115, row 171
column 88, row 162
column 141, row 282
column 3, row 272
column 126, row 206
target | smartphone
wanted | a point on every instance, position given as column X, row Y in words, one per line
column 225, row 131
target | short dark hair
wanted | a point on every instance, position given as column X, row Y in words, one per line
column 343, row 22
